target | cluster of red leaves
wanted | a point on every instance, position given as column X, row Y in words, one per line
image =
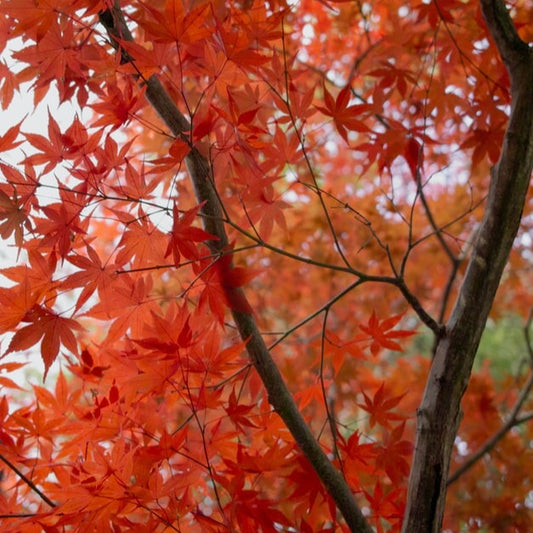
column 160, row 423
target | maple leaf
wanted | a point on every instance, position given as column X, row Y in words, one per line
column 312, row 393
column 57, row 146
column 218, row 362
column 253, row 513
column 239, row 48
column 278, row 455
column 61, row 226
column 307, row 485
column 15, row 219
column 359, row 457
column 21, row 186
column 344, row 115
column 77, row 142
column 178, row 150
column 382, row 334
column 54, row 57
column 172, row 333
column 142, row 243
column 119, row 106
column 392, row 77
column 129, row 307
column 238, row 115
column 269, row 210
column 136, row 187
column 285, row 148
column 221, row 285
column 164, row 422
column 16, row 302
column 109, row 157
column 38, row 273
column 184, row 236
column 175, row 24
column 380, row 407
column 225, row 74
column 239, row 413
column 392, row 455
column 385, row 503
column 338, row 350
column 485, row 142
column 8, row 139
column 93, row 276
column 301, row 101
column 49, row 328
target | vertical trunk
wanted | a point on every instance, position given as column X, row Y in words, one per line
column 439, row 413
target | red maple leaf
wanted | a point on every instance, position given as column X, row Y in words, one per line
column 49, row 328
column 381, row 334
column 8, row 139
column 118, row 106
column 175, row 24
column 239, row 413
column 93, row 275
column 345, row 116
column 222, row 286
column 392, row 456
column 184, row 236
column 380, row 407
column 61, row 225
column 16, row 302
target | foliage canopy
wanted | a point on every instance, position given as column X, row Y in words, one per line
column 252, row 193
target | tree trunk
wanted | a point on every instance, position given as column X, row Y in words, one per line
column 439, row 414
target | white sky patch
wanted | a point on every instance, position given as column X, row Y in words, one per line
column 308, row 34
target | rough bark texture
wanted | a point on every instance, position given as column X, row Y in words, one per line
column 439, row 413
column 278, row 394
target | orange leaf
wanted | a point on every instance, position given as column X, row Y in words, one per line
column 52, row 330
column 380, row 407
column 381, row 334
column 343, row 114
column 8, row 139
column 184, row 236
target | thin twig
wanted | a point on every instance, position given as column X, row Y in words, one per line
column 489, row 445
column 512, row 420
column 28, row 481
column 329, row 222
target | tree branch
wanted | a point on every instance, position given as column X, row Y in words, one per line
column 512, row 421
column 28, row 482
column 278, row 394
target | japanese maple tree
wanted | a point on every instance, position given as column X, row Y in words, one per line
column 235, row 248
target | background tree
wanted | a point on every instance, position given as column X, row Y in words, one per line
column 254, row 209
